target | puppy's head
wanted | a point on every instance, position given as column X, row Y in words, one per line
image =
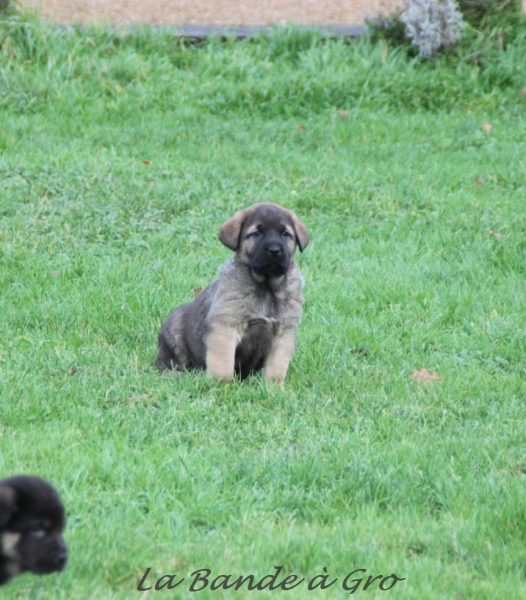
column 32, row 518
column 265, row 236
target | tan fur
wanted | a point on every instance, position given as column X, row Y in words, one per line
column 9, row 542
column 278, row 360
column 221, row 345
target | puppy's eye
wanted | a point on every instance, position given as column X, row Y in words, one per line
column 286, row 233
column 38, row 532
column 255, row 233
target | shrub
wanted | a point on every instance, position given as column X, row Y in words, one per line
column 431, row 24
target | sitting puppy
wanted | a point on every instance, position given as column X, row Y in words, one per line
column 31, row 521
column 246, row 320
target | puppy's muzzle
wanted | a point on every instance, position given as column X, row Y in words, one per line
column 274, row 250
column 54, row 560
column 273, row 260
column 60, row 560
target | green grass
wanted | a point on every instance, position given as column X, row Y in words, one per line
column 417, row 259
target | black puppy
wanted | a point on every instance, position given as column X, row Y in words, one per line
column 32, row 518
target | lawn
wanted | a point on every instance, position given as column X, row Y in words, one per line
column 120, row 157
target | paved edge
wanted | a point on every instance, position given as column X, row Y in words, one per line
column 199, row 32
column 202, row 32
column 243, row 31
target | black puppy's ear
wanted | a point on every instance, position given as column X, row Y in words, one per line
column 7, row 503
column 229, row 232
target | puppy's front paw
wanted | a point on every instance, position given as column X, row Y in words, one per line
column 275, row 380
column 218, row 374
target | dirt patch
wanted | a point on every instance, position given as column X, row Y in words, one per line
column 211, row 12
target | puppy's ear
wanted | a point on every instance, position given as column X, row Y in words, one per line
column 302, row 236
column 7, row 503
column 229, row 232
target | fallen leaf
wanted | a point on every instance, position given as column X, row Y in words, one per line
column 196, row 292
column 495, row 234
column 73, row 370
column 425, row 376
column 522, row 93
column 54, row 273
column 302, row 127
column 146, row 162
column 343, row 114
column 479, row 181
column 487, row 127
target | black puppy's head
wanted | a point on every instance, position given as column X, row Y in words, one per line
column 265, row 236
column 32, row 518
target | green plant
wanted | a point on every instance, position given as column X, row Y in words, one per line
column 488, row 13
column 389, row 28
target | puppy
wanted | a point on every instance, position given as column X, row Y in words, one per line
column 31, row 521
column 246, row 320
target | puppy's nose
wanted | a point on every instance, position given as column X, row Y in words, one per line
column 61, row 559
column 274, row 250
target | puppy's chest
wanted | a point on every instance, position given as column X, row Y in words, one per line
column 262, row 313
